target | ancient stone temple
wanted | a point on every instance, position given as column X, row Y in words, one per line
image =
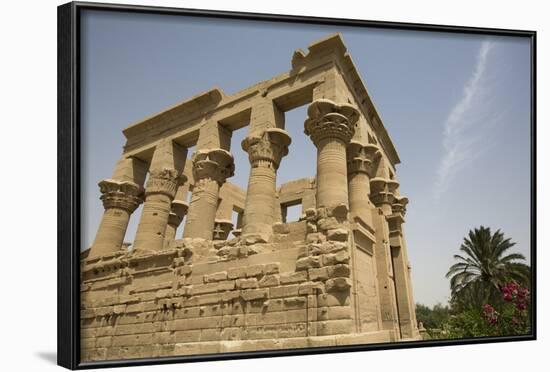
column 338, row 276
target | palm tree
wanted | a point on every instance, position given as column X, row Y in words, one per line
column 484, row 268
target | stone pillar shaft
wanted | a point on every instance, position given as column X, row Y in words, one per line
column 171, row 228
column 120, row 199
column 159, row 193
column 265, row 154
column 331, row 127
column 111, row 231
column 382, row 196
column 202, row 210
column 332, row 184
column 406, row 306
column 361, row 162
column 211, row 168
column 359, row 190
column 258, row 212
column 386, row 286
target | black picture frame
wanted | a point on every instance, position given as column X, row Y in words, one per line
column 69, row 209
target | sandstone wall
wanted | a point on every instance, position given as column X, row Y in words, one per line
column 201, row 296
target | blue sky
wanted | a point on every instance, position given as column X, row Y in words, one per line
column 456, row 107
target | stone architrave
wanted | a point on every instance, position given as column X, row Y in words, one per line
column 362, row 161
column 211, row 168
column 120, row 199
column 331, row 127
column 264, row 153
column 159, row 193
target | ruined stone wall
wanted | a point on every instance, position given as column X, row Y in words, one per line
column 201, row 296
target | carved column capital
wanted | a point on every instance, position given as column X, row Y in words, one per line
column 327, row 119
column 222, row 228
column 268, row 148
column 383, row 191
column 362, row 158
column 178, row 211
column 120, row 194
column 213, row 164
column 162, row 181
column 399, row 205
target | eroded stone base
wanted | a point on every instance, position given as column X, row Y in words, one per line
column 215, row 347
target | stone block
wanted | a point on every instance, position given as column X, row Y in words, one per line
column 254, row 270
column 212, row 334
column 199, row 289
column 308, row 288
column 269, row 281
column 340, row 235
column 215, row 277
column 254, row 294
column 247, row 283
column 318, row 274
column 333, row 247
column 293, row 303
column 333, row 299
column 231, row 333
column 328, row 223
column 307, row 263
column 284, row 291
column 311, row 227
column 236, row 272
column 341, row 257
column 271, row 268
column 338, row 270
column 296, row 277
column 187, row 336
column 186, row 269
column 315, row 238
column 132, row 340
column 281, row 228
column 338, row 284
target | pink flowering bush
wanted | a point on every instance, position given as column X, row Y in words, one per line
column 505, row 317
column 513, row 317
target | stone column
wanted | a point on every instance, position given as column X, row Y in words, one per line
column 159, row 193
column 401, row 268
column 178, row 210
column 361, row 165
column 331, row 127
column 211, row 168
column 120, row 199
column 382, row 197
column 265, row 152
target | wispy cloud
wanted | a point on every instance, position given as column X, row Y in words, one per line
column 463, row 124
